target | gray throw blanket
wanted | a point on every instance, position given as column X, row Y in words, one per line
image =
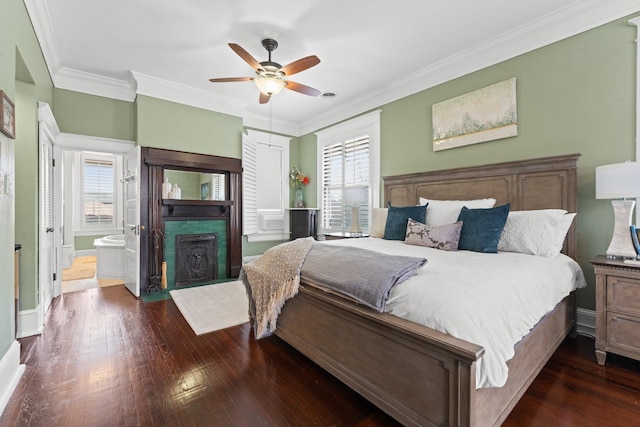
column 364, row 275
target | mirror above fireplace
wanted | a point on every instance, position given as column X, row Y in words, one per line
column 196, row 185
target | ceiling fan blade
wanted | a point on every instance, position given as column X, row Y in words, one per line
column 245, row 55
column 264, row 98
column 231, row 79
column 300, row 65
column 297, row 87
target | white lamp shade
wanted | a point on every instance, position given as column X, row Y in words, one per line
column 618, row 181
column 355, row 195
column 269, row 86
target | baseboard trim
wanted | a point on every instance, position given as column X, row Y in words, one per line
column 30, row 322
column 586, row 322
column 85, row 252
column 10, row 373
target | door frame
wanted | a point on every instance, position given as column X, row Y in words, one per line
column 68, row 142
column 48, row 128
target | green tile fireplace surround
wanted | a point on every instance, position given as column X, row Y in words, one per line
column 177, row 228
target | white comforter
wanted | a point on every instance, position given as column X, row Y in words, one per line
column 492, row 300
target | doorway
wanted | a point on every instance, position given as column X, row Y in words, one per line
column 93, row 210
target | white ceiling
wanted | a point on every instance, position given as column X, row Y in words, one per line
column 372, row 51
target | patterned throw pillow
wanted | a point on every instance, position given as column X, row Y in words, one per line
column 444, row 237
column 533, row 232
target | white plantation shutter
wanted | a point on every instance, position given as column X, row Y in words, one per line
column 98, row 192
column 46, row 195
column 217, row 184
column 265, row 159
column 332, row 171
column 345, row 166
column 349, row 171
column 249, row 186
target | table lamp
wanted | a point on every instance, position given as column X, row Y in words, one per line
column 620, row 181
column 355, row 196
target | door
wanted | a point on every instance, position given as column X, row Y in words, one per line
column 132, row 220
column 46, row 265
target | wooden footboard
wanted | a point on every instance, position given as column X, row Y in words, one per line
column 417, row 375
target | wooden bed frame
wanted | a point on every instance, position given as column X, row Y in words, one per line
column 416, row 374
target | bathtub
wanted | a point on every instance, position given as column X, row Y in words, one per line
column 110, row 257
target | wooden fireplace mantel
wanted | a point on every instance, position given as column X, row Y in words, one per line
column 155, row 210
column 221, row 205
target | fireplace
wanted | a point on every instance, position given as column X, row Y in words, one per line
column 196, row 259
column 165, row 219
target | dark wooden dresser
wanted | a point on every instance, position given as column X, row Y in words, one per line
column 303, row 222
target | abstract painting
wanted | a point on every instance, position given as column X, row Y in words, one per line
column 482, row 115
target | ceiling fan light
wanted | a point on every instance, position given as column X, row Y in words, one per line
column 269, row 86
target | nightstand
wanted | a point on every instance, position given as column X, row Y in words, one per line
column 617, row 308
column 344, row 235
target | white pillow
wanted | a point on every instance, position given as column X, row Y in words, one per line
column 561, row 232
column 441, row 212
column 535, row 232
column 378, row 222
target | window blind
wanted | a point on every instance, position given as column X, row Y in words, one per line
column 345, row 183
column 98, row 192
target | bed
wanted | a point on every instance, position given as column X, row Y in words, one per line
column 416, row 374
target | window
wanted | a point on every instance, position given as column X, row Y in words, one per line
column 345, row 178
column 265, row 165
column 217, row 186
column 98, row 192
column 349, row 167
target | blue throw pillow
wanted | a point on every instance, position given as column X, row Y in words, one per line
column 397, row 218
column 482, row 228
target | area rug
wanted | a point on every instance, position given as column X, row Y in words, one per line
column 83, row 267
column 213, row 307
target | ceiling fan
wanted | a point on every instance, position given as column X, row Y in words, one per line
column 271, row 76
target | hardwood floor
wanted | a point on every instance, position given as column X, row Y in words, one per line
column 106, row 359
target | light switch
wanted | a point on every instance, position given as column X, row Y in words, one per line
column 8, row 184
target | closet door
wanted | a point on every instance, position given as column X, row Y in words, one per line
column 47, row 226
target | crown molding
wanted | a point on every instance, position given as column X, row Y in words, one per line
column 41, row 21
column 188, row 95
column 577, row 17
column 93, row 84
column 270, row 125
column 574, row 19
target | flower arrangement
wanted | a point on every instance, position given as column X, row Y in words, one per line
column 297, row 178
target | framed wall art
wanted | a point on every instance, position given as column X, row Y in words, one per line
column 7, row 116
column 482, row 115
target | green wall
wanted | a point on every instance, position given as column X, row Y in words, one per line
column 85, row 243
column 84, row 114
column 165, row 124
column 25, row 79
column 27, row 199
column 574, row 96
